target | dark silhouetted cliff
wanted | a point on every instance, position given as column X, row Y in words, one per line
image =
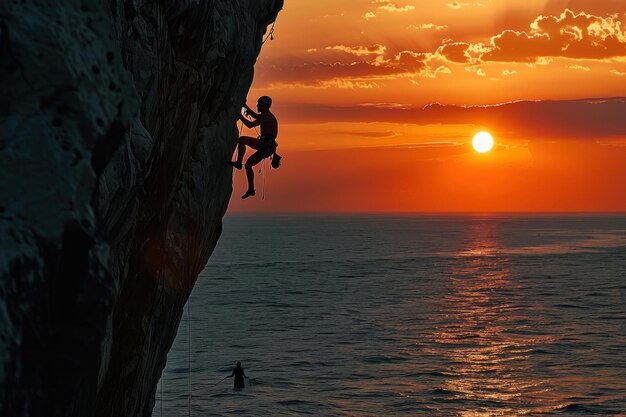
column 116, row 118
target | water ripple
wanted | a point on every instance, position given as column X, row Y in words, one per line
column 375, row 316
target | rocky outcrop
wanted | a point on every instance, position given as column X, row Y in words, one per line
column 115, row 120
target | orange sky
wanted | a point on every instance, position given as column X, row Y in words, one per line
column 378, row 101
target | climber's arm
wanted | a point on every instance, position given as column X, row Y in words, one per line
column 250, row 112
column 249, row 123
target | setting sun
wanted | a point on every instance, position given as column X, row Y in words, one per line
column 482, row 142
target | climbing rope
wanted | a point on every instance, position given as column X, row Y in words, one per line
column 188, row 272
column 264, row 174
column 270, row 35
column 219, row 381
column 189, row 356
column 264, row 169
column 158, row 84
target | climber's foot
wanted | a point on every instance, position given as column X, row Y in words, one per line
column 235, row 164
column 249, row 193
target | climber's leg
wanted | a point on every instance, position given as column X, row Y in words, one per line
column 241, row 149
column 254, row 159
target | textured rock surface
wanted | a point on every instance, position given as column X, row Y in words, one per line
column 115, row 120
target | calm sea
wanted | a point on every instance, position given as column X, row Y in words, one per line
column 406, row 315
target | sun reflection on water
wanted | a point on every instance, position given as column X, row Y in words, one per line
column 481, row 333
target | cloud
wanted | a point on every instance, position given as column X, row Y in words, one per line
column 347, row 84
column 385, row 134
column 580, row 68
column 579, row 37
column 458, row 5
column 476, row 70
column 360, row 74
column 455, row 52
column 411, row 62
column 388, row 6
column 346, row 75
column 569, row 35
column 428, row 26
column 548, row 120
column 385, row 105
column 430, row 72
column 359, row 50
column 393, row 7
column 543, row 61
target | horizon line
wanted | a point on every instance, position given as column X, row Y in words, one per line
column 437, row 213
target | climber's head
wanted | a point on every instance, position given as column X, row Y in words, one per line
column 238, row 364
column 264, row 103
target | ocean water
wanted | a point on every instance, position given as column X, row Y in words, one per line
column 406, row 315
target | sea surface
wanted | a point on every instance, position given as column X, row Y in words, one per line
column 371, row 315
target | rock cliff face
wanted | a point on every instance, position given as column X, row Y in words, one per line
column 115, row 121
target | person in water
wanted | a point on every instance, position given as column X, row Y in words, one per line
column 239, row 375
column 265, row 145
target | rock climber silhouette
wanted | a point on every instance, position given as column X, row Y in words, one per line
column 265, row 145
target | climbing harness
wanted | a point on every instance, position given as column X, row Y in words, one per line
column 276, row 158
column 266, row 148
